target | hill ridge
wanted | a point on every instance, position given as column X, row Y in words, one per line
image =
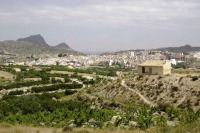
column 36, row 39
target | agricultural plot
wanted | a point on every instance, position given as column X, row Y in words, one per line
column 72, row 99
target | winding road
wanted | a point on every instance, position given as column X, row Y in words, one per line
column 139, row 94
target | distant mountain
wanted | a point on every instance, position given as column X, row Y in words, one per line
column 36, row 39
column 186, row 48
column 34, row 46
column 62, row 46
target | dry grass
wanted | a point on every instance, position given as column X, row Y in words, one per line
column 6, row 75
column 186, row 71
column 6, row 128
column 174, row 89
column 184, row 128
column 191, row 128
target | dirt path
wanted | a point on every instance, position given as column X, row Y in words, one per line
column 139, row 94
column 181, row 101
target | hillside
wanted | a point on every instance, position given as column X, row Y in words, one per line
column 183, row 49
column 35, row 39
column 33, row 46
column 176, row 90
column 63, row 46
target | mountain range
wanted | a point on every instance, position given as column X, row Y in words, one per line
column 183, row 49
column 34, row 45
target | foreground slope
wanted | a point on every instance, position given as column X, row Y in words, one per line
column 181, row 91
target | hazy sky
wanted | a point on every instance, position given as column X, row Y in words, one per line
column 103, row 25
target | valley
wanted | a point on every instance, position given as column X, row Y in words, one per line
column 87, row 99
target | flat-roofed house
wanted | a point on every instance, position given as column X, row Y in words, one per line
column 154, row 67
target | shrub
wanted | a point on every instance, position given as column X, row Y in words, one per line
column 174, row 88
column 160, row 84
column 159, row 77
column 70, row 92
column 17, row 92
column 139, row 77
column 194, row 78
column 56, row 87
column 180, row 79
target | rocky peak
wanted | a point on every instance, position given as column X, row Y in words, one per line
column 36, row 39
column 62, row 46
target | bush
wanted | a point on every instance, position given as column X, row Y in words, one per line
column 21, row 84
column 194, row 78
column 70, row 92
column 159, row 77
column 56, row 87
column 139, row 77
column 160, row 84
column 174, row 88
column 17, row 92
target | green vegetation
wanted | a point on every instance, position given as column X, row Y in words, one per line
column 21, row 84
column 37, row 109
column 107, row 71
column 70, row 92
column 17, row 92
column 56, row 87
column 45, row 110
column 180, row 65
column 78, row 104
column 194, row 78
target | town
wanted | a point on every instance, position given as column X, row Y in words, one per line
column 124, row 59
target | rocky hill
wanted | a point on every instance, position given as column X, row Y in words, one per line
column 63, row 46
column 34, row 46
column 35, row 39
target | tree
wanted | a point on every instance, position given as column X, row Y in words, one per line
column 60, row 55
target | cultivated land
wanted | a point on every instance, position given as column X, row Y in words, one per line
column 57, row 99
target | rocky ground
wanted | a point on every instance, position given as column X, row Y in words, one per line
column 181, row 91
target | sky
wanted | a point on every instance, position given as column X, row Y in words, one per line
column 103, row 25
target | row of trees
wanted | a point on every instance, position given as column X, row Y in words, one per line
column 97, row 71
column 21, row 84
column 37, row 109
column 56, row 87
